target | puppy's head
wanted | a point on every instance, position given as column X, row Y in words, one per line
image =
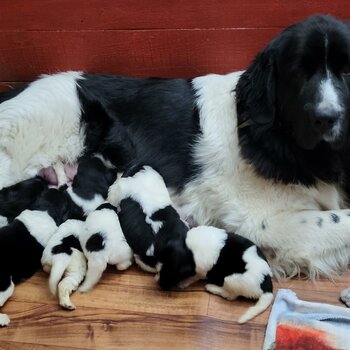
column 298, row 84
column 176, row 264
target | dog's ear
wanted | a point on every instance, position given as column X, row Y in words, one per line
column 256, row 90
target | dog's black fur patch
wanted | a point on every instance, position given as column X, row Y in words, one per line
column 335, row 218
column 230, row 259
column 66, row 245
column 171, row 250
column 106, row 206
column 58, row 204
column 95, row 243
column 138, row 233
column 266, row 285
column 274, row 100
column 14, row 199
column 20, row 253
column 92, row 178
column 153, row 121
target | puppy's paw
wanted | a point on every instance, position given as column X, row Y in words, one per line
column 67, row 304
column 124, row 265
column 345, row 296
column 47, row 268
column 84, row 289
column 4, row 320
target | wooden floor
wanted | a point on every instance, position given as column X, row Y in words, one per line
column 128, row 311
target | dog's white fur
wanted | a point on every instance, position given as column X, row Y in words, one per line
column 3, row 221
column 39, row 223
column 144, row 185
column 73, row 276
column 228, row 193
column 66, row 271
column 4, row 296
column 116, row 251
column 206, row 243
column 88, row 205
column 40, row 127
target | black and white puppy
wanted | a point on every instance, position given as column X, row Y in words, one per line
column 90, row 185
column 21, row 246
column 22, row 242
column 103, row 243
column 232, row 265
column 16, row 198
column 64, row 260
column 150, row 224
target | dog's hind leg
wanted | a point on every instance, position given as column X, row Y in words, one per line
column 7, row 288
column 73, row 276
column 221, row 291
column 96, row 266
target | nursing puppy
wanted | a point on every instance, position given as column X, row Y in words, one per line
column 90, row 185
column 63, row 257
column 151, row 226
column 232, row 265
column 103, row 243
column 16, row 198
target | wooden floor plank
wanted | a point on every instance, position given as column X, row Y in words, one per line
column 128, row 311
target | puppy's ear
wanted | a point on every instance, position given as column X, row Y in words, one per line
column 256, row 90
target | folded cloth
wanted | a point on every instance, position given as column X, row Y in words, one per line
column 298, row 324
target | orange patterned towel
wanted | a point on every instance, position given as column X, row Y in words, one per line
column 296, row 324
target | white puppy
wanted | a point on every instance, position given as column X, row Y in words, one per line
column 63, row 257
column 103, row 243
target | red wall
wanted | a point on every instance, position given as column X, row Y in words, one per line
column 142, row 37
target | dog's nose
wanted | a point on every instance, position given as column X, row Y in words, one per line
column 324, row 121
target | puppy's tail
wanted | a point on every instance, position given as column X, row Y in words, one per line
column 263, row 303
column 60, row 263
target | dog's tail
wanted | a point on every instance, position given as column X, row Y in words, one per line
column 60, row 263
column 263, row 303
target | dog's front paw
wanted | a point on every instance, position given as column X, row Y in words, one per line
column 345, row 296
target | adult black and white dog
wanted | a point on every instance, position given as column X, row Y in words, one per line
column 259, row 152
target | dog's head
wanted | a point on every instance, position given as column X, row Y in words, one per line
column 176, row 263
column 298, row 84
